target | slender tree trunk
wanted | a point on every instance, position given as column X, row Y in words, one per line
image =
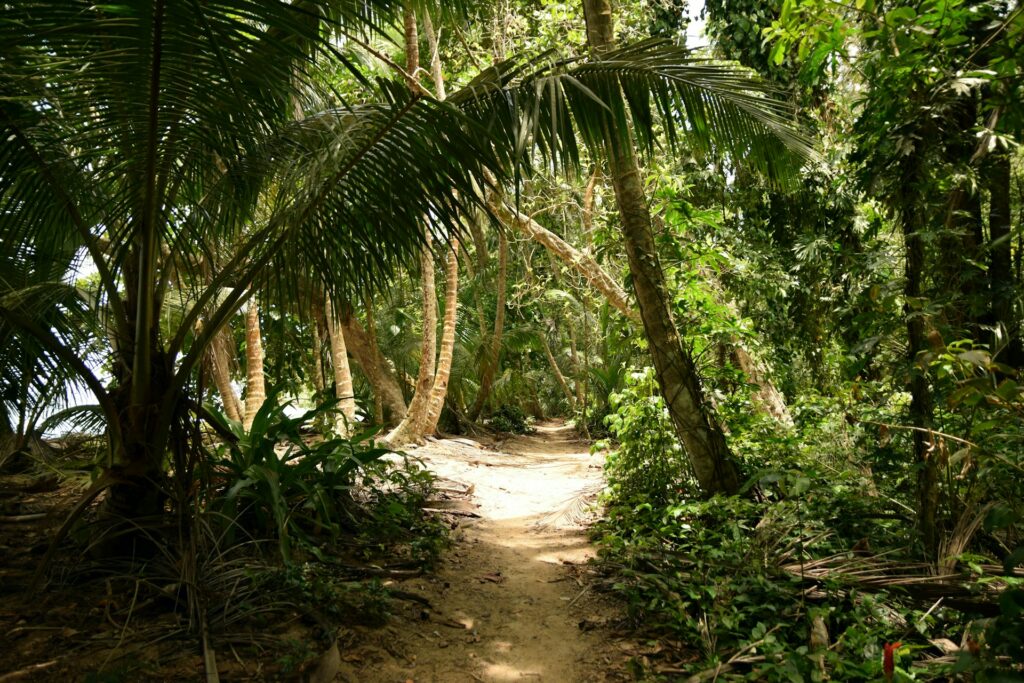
column 559, row 377
column 219, row 358
column 378, row 371
column 588, row 209
column 255, row 382
column 319, row 381
column 371, row 331
column 1000, row 266
column 577, row 367
column 444, row 359
column 920, row 394
column 695, row 424
column 342, row 373
column 406, row 430
column 493, row 357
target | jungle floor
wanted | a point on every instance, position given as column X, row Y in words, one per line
column 512, row 598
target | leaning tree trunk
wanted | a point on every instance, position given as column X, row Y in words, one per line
column 697, row 428
column 406, row 431
column 581, row 262
column 490, row 368
column 219, row 359
column 342, row 372
column 444, row 359
column 557, row 371
column 379, row 373
column 255, row 382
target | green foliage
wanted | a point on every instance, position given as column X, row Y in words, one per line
column 647, row 465
column 274, row 483
column 511, row 419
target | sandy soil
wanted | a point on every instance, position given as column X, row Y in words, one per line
column 512, row 599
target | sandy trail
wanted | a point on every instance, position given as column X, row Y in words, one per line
column 509, row 597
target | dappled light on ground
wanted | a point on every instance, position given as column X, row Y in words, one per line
column 509, row 599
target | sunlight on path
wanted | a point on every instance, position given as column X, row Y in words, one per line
column 512, row 577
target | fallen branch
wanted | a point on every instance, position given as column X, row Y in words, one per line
column 27, row 671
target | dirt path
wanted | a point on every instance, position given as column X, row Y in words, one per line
column 510, row 601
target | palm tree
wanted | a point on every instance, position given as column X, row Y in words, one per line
column 153, row 134
column 158, row 127
column 680, row 385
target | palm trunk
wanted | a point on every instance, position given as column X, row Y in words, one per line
column 444, row 359
column 379, row 373
column 219, row 358
column 255, row 382
column 319, row 381
column 494, row 348
column 371, row 331
column 406, row 431
column 342, row 373
column 697, row 428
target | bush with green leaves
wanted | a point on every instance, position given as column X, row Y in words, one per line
column 647, row 464
column 732, row 577
column 275, row 483
column 511, row 419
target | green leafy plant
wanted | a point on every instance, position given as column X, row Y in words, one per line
column 279, row 484
column 511, row 419
column 648, row 465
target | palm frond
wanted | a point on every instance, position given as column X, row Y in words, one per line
column 544, row 104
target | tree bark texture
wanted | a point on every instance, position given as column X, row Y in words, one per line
column 379, row 373
column 445, row 355
column 219, row 359
column 342, row 372
column 920, row 394
column 319, row 380
column 1000, row 266
column 406, row 430
column 695, row 424
column 371, row 330
column 255, row 382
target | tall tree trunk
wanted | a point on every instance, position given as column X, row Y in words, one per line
column 375, row 366
column 1000, row 265
column 255, row 382
column 696, row 426
column 406, row 430
column 342, row 373
column 920, row 394
column 219, row 359
column 444, row 359
column 490, row 368
column 371, row 331
column 319, row 381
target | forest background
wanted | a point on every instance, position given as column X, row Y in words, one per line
column 778, row 277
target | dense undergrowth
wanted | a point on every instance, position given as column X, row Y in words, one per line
column 285, row 536
column 816, row 569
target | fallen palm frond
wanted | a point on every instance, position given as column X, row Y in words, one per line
column 574, row 511
column 876, row 572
